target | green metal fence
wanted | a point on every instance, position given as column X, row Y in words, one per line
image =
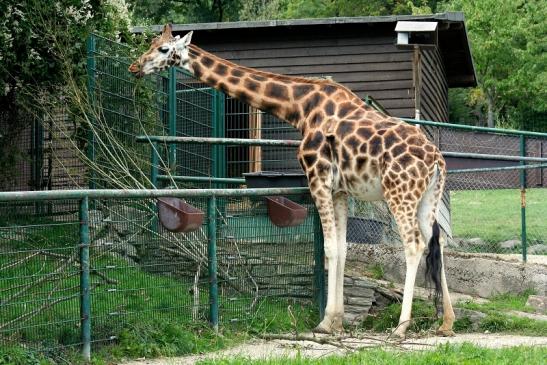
column 496, row 188
column 487, row 190
column 84, row 276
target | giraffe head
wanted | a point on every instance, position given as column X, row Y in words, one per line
column 165, row 51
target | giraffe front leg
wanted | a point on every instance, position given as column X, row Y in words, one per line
column 333, row 314
column 341, row 218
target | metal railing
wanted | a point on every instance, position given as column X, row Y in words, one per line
column 13, row 252
column 519, row 143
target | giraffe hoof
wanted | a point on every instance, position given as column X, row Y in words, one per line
column 330, row 325
column 322, row 328
column 398, row 336
column 445, row 333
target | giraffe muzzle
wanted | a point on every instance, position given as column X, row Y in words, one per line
column 136, row 70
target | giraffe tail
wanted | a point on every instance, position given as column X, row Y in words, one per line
column 434, row 264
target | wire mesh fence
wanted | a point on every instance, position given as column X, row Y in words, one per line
column 140, row 272
column 176, row 104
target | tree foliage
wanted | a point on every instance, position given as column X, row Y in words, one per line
column 184, row 11
column 33, row 32
column 508, row 40
column 190, row 11
column 40, row 42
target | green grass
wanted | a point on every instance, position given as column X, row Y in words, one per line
column 502, row 302
column 154, row 310
column 377, row 271
column 494, row 215
column 423, row 315
column 465, row 354
column 497, row 320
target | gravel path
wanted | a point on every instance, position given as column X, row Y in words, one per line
column 261, row 349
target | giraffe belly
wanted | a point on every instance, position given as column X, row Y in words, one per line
column 369, row 191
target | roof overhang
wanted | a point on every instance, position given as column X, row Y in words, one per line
column 453, row 41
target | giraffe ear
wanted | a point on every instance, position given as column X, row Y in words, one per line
column 188, row 38
column 166, row 33
column 183, row 42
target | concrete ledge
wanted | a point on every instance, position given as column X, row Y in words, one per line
column 482, row 275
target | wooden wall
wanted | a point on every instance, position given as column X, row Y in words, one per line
column 367, row 62
column 434, row 90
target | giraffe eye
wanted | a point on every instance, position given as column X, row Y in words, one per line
column 164, row 49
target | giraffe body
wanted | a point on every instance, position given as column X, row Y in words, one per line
column 347, row 149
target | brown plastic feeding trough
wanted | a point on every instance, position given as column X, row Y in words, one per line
column 284, row 212
column 178, row 216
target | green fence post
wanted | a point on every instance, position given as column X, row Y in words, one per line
column 523, row 199
column 91, row 95
column 154, row 161
column 172, row 100
column 319, row 268
column 212, row 260
column 37, row 162
column 218, row 168
column 85, row 295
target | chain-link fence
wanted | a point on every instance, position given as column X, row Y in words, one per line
column 139, row 271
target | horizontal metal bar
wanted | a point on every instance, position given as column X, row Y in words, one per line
column 225, row 141
column 493, row 169
column 225, row 180
column 144, row 193
column 293, row 143
column 475, row 128
column 493, row 157
column 194, row 89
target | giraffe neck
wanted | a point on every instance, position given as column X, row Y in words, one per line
column 279, row 95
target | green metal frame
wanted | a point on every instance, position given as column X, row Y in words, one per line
column 218, row 152
column 172, row 101
column 212, row 215
column 85, row 280
column 475, row 128
column 143, row 193
column 523, row 198
column 212, row 260
column 91, row 50
column 222, row 141
column 202, row 179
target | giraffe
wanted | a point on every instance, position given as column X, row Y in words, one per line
column 347, row 149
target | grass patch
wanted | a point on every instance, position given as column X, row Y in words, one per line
column 150, row 314
column 499, row 321
column 498, row 212
column 502, row 302
column 376, row 271
column 423, row 318
column 441, row 355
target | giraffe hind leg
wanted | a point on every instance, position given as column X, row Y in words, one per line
column 414, row 247
column 435, row 272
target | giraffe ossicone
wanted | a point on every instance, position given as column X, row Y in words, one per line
column 347, row 149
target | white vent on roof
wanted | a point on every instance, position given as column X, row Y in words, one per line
column 410, row 34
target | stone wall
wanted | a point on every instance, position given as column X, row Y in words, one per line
column 482, row 275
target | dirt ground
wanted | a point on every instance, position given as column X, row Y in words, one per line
column 263, row 349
